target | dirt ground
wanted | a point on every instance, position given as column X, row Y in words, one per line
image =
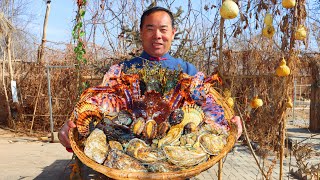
column 26, row 158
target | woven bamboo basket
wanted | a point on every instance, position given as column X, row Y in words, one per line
column 183, row 174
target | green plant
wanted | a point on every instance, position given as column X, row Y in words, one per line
column 78, row 34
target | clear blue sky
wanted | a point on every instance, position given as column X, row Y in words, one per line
column 62, row 14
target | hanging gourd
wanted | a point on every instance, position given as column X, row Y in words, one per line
column 229, row 99
column 289, row 103
column 268, row 31
column 288, row 3
column 227, row 93
column 283, row 69
column 256, row 102
column 230, row 102
column 301, row 33
column 268, row 19
column 229, row 9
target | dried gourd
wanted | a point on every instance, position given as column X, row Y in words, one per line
column 268, row 19
column 301, row 33
column 288, row 3
column 268, row 31
column 227, row 93
column 230, row 101
column 289, row 103
column 229, row 9
column 283, row 69
column 256, row 102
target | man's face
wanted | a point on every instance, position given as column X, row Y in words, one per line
column 157, row 33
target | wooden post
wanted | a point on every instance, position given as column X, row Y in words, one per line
column 314, row 124
column 220, row 169
column 44, row 33
column 36, row 104
column 283, row 136
column 220, row 63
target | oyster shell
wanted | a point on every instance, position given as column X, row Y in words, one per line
column 117, row 132
column 123, row 118
column 183, row 157
column 96, row 147
column 115, row 145
column 189, row 128
column 119, row 160
column 188, row 140
column 172, row 137
column 212, row 143
column 138, row 149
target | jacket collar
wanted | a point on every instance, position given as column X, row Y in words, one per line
column 145, row 55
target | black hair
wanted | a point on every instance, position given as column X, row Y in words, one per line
column 154, row 9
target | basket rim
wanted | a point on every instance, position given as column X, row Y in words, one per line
column 186, row 173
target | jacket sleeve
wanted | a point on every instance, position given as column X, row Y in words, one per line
column 191, row 69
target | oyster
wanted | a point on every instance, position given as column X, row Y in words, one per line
column 96, row 147
column 123, row 118
column 117, row 132
column 138, row 149
column 119, row 160
column 188, row 140
column 115, row 145
column 211, row 143
column 189, row 128
column 162, row 166
column 183, row 157
column 172, row 137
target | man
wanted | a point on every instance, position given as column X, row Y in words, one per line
column 157, row 32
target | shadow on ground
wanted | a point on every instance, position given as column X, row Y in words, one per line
column 59, row 169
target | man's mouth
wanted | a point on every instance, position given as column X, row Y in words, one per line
column 157, row 44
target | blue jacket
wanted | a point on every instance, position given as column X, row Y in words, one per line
column 166, row 61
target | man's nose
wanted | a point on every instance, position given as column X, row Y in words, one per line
column 158, row 34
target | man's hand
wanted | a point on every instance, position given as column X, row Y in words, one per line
column 237, row 121
column 63, row 134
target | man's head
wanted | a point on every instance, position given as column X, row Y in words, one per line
column 157, row 31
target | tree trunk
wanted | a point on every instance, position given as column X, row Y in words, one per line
column 315, row 97
column 9, row 118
